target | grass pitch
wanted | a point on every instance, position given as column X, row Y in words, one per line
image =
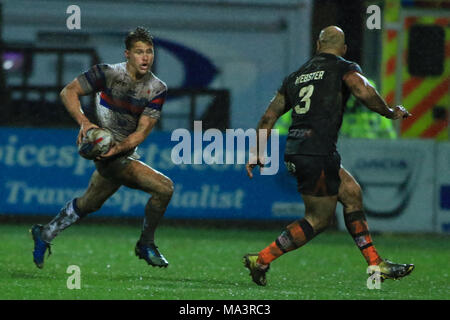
column 206, row 264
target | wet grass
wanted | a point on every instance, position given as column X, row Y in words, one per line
column 206, row 264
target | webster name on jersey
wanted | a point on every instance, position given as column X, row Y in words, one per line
column 318, row 75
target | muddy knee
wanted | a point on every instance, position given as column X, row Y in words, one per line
column 319, row 223
column 350, row 195
column 165, row 191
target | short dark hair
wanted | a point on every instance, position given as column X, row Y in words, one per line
column 139, row 34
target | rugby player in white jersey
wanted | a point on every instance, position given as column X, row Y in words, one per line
column 129, row 99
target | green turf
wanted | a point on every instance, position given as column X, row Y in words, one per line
column 206, row 264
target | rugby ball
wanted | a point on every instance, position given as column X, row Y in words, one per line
column 96, row 142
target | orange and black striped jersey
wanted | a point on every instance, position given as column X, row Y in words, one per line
column 316, row 94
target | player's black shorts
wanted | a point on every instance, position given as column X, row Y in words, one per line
column 316, row 175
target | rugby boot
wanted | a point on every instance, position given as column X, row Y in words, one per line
column 391, row 270
column 151, row 254
column 40, row 246
column 257, row 273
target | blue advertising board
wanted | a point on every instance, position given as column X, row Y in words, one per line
column 41, row 170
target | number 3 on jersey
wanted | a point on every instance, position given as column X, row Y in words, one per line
column 305, row 93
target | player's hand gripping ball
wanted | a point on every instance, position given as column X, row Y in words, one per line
column 96, row 142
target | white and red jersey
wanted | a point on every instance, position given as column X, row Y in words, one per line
column 120, row 100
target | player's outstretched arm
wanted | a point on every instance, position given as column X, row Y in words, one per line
column 70, row 97
column 275, row 110
column 361, row 88
column 144, row 127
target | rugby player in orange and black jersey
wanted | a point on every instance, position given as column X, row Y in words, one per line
column 317, row 95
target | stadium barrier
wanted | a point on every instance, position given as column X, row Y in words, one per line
column 406, row 183
column 442, row 190
column 41, row 170
column 398, row 178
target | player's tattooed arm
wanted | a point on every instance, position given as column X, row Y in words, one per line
column 144, row 127
column 365, row 92
column 70, row 97
column 275, row 110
